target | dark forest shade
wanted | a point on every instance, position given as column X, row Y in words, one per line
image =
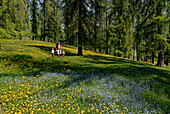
column 80, row 29
column 128, row 28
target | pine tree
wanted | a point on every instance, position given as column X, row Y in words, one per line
column 34, row 13
column 22, row 19
column 78, row 14
column 66, row 8
column 14, row 22
column 160, row 17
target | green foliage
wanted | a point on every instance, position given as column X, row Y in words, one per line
column 14, row 20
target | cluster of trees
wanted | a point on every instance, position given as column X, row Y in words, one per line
column 136, row 29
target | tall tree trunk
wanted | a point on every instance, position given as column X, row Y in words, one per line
column 152, row 52
column 137, row 41
column 167, row 58
column 167, row 54
column 137, row 52
column 95, row 28
column 34, row 25
column 48, row 31
column 134, row 50
column 1, row 2
column 95, row 36
column 120, row 29
column 44, row 20
column 153, row 55
column 80, row 29
column 160, row 61
column 107, row 36
column 100, row 50
column 55, row 34
column 67, row 22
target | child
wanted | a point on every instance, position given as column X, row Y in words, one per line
column 63, row 52
column 52, row 52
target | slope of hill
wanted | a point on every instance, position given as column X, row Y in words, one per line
column 33, row 81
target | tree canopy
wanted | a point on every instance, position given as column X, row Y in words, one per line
column 134, row 29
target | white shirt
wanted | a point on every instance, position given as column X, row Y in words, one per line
column 52, row 51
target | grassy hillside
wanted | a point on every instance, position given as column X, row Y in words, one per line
column 31, row 81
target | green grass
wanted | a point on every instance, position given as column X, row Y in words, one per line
column 31, row 81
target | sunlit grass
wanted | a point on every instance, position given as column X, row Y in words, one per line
column 31, row 81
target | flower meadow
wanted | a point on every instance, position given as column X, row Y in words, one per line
column 32, row 82
column 57, row 93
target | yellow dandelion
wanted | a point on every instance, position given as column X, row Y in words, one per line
column 97, row 110
column 39, row 109
column 82, row 112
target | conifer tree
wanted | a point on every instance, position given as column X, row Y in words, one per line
column 160, row 17
column 78, row 13
column 22, row 19
column 34, row 13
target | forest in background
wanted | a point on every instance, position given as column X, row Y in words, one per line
column 134, row 29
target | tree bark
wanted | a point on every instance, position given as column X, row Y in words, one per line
column 153, row 55
column 34, row 25
column 107, row 35
column 95, row 27
column 160, row 61
column 167, row 58
column 44, row 20
column 0, row 2
column 67, row 22
column 120, row 12
column 80, row 30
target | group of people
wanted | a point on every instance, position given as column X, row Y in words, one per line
column 59, row 50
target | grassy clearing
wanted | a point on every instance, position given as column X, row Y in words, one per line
column 31, row 81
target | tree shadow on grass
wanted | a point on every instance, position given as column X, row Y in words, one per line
column 129, row 68
column 145, row 74
column 96, row 59
column 22, row 62
column 32, row 67
column 132, row 70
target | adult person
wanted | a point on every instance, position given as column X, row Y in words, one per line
column 59, row 51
